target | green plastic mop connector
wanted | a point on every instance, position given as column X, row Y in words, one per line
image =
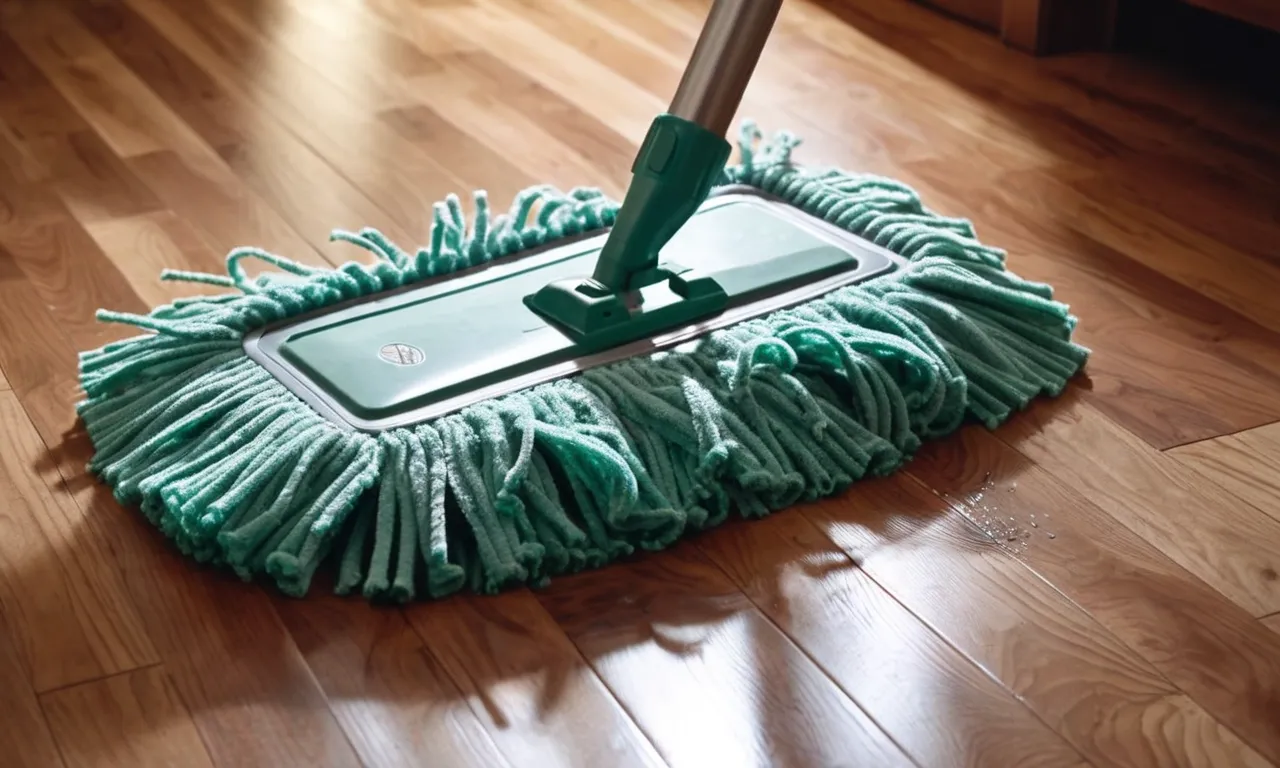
column 631, row 294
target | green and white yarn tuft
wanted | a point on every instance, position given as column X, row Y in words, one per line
column 573, row 474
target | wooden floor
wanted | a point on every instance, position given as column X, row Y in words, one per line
column 1096, row 583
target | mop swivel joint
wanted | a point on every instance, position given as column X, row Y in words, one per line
column 631, row 293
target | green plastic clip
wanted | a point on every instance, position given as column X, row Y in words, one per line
column 624, row 300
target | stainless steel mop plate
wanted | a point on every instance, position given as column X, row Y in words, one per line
column 417, row 353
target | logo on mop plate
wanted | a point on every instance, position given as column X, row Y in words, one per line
column 401, row 354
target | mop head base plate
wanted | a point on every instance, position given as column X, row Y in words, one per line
column 796, row 404
column 388, row 361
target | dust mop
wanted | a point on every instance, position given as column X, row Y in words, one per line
column 553, row 388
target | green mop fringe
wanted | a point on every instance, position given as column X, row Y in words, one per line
column 573, row 474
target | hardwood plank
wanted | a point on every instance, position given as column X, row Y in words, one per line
column 475, row 163
column 1150, row 109
column 128, row 116
column 1136, row 129
column 675, row 641
column 340, row 126
column 517, row 118
column 233, row 664
column 35, row 118
column 54, row 143
column 394, row 701
column 1170, row 365
column 63, row 265
column 1272, row 622
column 17, row 160
column 38, row 359
column 1211, row 649
column 1204, row 197
column 1234, row 278
column 133, row 719
column 1104, row 699
column 929, row 698
column 624, row 108
column 247, row 688
column 4, row 383
column 527, row 684
column 1235, row 134
column 667, row 30
column 1246, row 464
column 541, row 154
column 95, row 184
column 24, row 733
column 262, row 154
column 407, row 32
column 560, row 133
column 1228, row 545
column 35, row 345
column 143, row 246
column 1139, row 322
column 225, row 215
column 287, row 173
column 374, row 77
column 70, row 616
column 185, row 88
column 607, row 37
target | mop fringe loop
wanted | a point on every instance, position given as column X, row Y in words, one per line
column 572, row 474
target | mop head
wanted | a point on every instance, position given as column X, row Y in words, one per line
column 572, row 474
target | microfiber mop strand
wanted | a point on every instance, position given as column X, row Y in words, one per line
column 578, row 472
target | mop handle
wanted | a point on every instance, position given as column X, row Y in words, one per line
column 723, row 60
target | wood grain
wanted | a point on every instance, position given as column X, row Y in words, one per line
column 467, row 157
column 1173, row 620
column 218, row 206
column 70, row 616
column 1225, row 543
column 478, row 108
column 929, row 698
column 527, row 683
column 1245, row 463
column 888, row 626
column 1107, row 701
column 624, row 108
column 705, row 674
column 1139, row 322
column 1170, row 366
column 95, row 184
column 38, row 358
column 249, row 691
column 133, row 719
column 127, row 115
column 263, row 155
column 393, row 700
column 622, row 39
column 25, row 739
column 185, row 88
column 143, row 246
column 62, row 264
column 332, row 120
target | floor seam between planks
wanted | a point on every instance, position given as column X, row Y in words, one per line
column 767, row 616
column 98, row 679
column 947, row 641
column 1172, row 449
